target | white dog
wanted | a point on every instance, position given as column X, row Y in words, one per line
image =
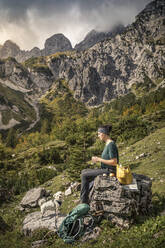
column 53, row 204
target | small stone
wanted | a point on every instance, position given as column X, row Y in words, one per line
column 68, row 191
column 38, row 243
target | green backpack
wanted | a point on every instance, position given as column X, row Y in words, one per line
column 73, row 226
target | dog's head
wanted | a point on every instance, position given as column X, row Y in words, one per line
column 41, row 201
column 58, row 196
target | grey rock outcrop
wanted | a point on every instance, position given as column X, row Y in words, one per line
column 24, row 55
column 118, row 202
column 11, row 70
column 15, row 80
column 73, row 187
column 31, row 198
column 9, row 49
column 33, row 221
column 26, row 85
column 57, row 43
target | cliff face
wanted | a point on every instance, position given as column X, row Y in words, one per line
column 20, row 89
column 57, row 43
column 9, row 49
column 25, row 55
column 110, row 68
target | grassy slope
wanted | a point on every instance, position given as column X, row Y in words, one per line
column 153, row 162
column 147, row 232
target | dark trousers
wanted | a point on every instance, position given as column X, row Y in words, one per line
column 87, row 177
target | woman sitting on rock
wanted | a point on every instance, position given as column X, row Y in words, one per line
column 109, row 159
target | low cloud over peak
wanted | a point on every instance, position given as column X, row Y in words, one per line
column 30, row 23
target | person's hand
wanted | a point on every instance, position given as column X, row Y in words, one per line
column 95, row 159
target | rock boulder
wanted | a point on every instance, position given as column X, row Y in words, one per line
column 119, row 203
column 34, row 221
column 31, row 198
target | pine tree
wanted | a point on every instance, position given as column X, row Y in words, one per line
column 76, row 162
column 45, row 128
column 11, row 139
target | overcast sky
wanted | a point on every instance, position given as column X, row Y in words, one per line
column 30, row 22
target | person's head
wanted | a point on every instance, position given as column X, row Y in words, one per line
column 104, row 131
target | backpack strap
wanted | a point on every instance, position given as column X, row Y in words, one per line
column 80, row 230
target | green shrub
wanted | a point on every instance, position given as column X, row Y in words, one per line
column 5, row 153
column 45, row 174
column 19, row 182
column 42, row 69
column 61, row 167
column 49, row 156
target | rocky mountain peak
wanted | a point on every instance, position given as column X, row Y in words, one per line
column 132, row 61
column 156, row 7
column 9, row 49
column 150, row 23
column 95, row 36
column 57, row 43
column 116, row 66
column 90, row 39
column 91, row 34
